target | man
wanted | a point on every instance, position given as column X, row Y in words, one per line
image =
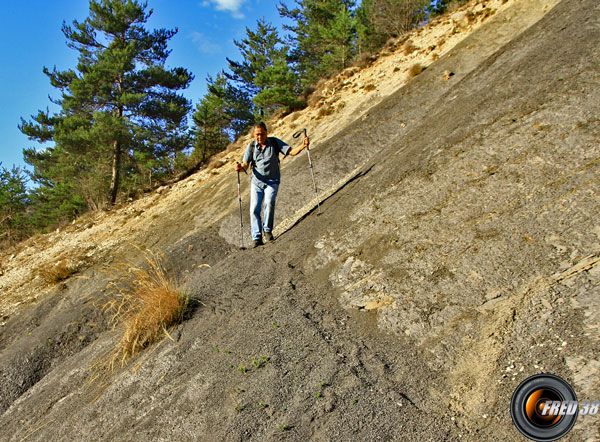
column 263, row 154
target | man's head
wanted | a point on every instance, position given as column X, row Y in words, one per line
column 260, row 133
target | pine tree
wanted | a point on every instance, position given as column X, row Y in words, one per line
column 279, row 88
column 312, row 20
column 120, row 112
column 338, row 39
column 222, row 115
column 368, row 38
column 264, row 73
column 258, row 50
column 14, row 202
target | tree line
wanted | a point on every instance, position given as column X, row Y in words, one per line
column 122, row 124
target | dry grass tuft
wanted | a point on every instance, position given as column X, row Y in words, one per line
column 215, row 163
column 146, row 302
column 471, row 17
column 315, row 94
column 365, row 60
column 415, row 70
column 325, row 111
column 57, row 273
column 488, row 13
column 409, row 47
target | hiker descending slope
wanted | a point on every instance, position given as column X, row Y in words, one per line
column 263, row 154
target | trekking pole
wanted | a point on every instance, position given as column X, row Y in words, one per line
column 312, row 174
column 240, row 202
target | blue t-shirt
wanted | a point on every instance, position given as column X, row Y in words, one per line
column 265, row 162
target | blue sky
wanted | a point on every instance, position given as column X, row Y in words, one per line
column 31, row 38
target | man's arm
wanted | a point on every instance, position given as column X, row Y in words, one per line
column 295, row 151
column 245, row 160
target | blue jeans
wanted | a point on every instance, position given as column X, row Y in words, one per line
column 266, row 197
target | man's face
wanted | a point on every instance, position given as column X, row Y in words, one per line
column 260, row 135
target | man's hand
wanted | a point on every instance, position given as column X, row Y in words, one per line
column 296, row 150
column 240, row 167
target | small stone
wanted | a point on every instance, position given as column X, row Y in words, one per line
column 546, row 304
column 447, row 74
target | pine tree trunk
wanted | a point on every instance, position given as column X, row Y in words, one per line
column 116, row 167
column 116, row 163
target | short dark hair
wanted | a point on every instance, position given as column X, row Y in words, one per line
column 261, row 125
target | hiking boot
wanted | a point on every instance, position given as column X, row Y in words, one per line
column 256, row 243
column 268, row 236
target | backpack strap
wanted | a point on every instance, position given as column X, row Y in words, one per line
column 270, row 142
column 275, row 147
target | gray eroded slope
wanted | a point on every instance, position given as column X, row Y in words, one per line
column 63, row 316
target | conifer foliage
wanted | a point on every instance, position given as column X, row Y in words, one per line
column 321, row 36
column 121, row 118
column 259, row 50
column 223, row 114
column 264, row 72
column 14, row 200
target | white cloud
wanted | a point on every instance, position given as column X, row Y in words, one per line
column 205, row 45
column 233, row 6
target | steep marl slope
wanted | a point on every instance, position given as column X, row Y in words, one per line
column 484, row 245
column 193, row 211
column 158, row 220
column 461, row 228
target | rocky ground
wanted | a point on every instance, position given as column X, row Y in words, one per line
column 158, row 219
column 456, row 254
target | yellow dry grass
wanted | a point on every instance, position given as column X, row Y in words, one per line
column 59, row 272
column 415, row 70
column 409, row 47
column 146, row 302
